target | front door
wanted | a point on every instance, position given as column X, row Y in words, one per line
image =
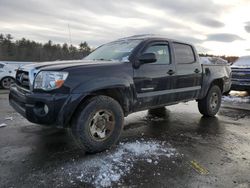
column 153, row 81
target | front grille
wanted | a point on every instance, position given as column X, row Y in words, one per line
column 241, row 74
column 22, row 79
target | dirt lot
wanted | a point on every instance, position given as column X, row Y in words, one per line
column 178, row 148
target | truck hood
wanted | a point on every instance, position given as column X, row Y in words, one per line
column 62, row 65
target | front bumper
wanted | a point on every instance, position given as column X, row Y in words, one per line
column 40, row 108
column 240, row 85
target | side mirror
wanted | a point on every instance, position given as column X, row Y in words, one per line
column 147, row 58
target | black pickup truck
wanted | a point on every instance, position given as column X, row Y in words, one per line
column 92, row 96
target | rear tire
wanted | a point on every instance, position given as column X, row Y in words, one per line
column 210, row 105
column 98, row 124
column 157, row 111
column 227, row 93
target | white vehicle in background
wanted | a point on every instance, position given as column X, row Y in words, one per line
column 16, row 63
column 7, row 75
column 8, row 72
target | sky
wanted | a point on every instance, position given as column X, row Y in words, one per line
column 220, row 27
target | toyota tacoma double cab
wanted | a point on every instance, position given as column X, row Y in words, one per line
column 92, row 96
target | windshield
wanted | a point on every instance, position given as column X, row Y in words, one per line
column 118, row 50
column 243, row 61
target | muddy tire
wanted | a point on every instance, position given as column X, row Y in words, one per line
column 97, row 124
column 6, row 82
column 210, row 105
column 161, row 111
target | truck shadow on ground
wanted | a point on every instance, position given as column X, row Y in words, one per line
column 53, row 143
column 169, row 126
column 209, row 126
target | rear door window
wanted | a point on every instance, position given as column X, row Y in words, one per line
column 184, row 53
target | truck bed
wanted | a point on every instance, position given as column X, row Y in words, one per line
column 213, row 72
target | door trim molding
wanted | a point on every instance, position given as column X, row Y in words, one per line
column 147, row 88
column 169, row 91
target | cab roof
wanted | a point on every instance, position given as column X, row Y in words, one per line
column 151, row 37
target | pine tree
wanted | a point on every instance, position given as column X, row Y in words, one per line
column 27, row 50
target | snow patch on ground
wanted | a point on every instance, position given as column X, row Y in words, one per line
column 236, row 99
column 105, row 169
column 3, row 125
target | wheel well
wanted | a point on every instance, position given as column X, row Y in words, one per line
column 116, row 94
column 218, row 82
column 7, row 77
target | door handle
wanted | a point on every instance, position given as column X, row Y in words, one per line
column 196, row 70
column 170, row 72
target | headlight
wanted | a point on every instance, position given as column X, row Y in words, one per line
column 49, row 80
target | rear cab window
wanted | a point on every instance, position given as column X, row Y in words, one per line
column 184, row 53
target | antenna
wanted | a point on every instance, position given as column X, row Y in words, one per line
column 70, row 40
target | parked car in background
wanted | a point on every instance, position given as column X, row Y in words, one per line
column 16, row 63
column 8, row 72
column 7, row 75
column 241, row 74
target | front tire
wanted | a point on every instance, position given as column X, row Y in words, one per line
column 210, row 105
column 6, row 82
column 98, row 124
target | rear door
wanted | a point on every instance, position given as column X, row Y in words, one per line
column 188, row 72
column 153, row 81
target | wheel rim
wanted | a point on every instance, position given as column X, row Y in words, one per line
column 6, row 82
column 214, row 100
column 101, row 125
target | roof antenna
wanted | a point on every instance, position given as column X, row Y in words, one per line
column 70, row 40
